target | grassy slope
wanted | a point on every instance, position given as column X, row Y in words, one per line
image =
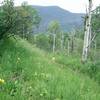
column 91, row 68
column 30, row 74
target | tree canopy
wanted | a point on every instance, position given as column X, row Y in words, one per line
column 17, row 20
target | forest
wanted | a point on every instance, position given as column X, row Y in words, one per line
column 53, row 64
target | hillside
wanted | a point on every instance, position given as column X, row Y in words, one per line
column 67, row 19
column 32, row 74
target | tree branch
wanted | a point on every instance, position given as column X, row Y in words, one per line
column 92, row 40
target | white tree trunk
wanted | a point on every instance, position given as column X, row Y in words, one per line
column 87, row 36
column 54, row 42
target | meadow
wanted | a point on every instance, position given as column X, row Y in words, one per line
column 33, row 74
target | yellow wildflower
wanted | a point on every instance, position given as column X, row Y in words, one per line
column 41, row 94
column 1, row 81
column 53, row 58
column 18, row 58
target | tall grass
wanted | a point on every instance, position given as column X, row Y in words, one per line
column 90, row 68
column 30, row 74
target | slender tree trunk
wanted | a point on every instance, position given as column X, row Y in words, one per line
column 62, row 41
column 95, row 46
column 87, row 37
column 68, row 46
column 72, row 43
column 54, row 42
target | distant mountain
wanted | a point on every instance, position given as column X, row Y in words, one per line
column 67, row 19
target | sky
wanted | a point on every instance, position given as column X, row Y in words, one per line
column 77, row 6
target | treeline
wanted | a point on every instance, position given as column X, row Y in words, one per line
column 24, row 20
column 55, row 40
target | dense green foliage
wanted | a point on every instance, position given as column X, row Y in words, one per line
column 96, row 25
column 28, row 20
column 17, row 20
column 43, row 41
column 8, row 17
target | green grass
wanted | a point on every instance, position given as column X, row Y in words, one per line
column 90, row 68
column 31, row 74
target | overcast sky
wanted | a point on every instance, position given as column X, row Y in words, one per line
column 78, row 6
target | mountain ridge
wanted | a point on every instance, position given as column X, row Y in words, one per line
column 67, row 19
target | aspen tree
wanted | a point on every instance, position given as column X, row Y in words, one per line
column 87, row 36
